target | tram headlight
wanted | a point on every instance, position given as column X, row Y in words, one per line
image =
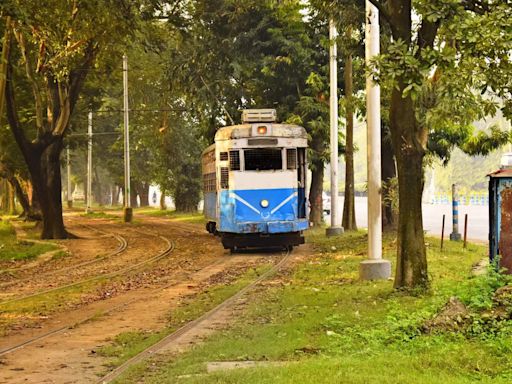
column 262, row 130
column 264, row 203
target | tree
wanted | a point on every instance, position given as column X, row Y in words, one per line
column 348, row 16
column 421, row 103
column 57, row 43
column 232, row 55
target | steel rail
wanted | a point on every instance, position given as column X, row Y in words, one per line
column 192, row 324
column 123, row 244
column 170, row 247
column 93, row 316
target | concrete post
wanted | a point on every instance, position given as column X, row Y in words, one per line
column 128, row 213
column 335, row 228
column 374, row 267
column 89, row 164
column 455, row 235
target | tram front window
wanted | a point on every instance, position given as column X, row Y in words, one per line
column 263, row 159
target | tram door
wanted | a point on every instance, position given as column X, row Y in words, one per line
column 301, row 179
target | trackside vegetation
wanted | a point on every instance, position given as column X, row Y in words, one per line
column 126, row 345
column 323, row 325
column 13, row 249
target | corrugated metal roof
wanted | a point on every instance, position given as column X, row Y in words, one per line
column 503, row 172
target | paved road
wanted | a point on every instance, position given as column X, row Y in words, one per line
column 478, row 218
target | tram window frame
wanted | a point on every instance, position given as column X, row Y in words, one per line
column 224, row 178
column 253, row 163
column 291, row 158
column 234, row 160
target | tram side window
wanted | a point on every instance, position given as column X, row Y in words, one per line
column 234, row 160
column 224, row 178
column 291, row 158
column 263, row 159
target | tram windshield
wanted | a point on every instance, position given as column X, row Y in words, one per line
column 263, row 159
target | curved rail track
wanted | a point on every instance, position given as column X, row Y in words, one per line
column 154, row 258
column 123, row 244
column 169, row 248
column 75, row 324
column 155, row 348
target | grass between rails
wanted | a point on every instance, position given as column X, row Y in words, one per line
column 129, row 344
column 100, row 215
column 329, row 327
column 40, row 306
column 12, row 249
column 193, row 217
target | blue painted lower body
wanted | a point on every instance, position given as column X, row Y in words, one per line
column 264, row 211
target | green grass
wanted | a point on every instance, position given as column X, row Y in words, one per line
column 101, row 215
column 329, row 327
column 194, row 218
column 12, row 249
column 42, row 305
column 129, row 344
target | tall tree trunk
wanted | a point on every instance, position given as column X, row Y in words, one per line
column 12, row 201
column 34, row 201
column 388, row 172
column 133, row 195
column 349, row 210
column 163, row 206
column 97, row 190
column 22, row 198
column 315, row 193
column 4, row 195
column 117, row 195
column 409, row 140
column 143, row 191
column 46, row 180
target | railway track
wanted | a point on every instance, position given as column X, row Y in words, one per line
column 123, row 244
column 168, row 340
column 75, row 324
column 63, row 328
column 169, row 248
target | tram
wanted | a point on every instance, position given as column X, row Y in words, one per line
column 254, row 183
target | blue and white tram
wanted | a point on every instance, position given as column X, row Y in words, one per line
column 254, row 180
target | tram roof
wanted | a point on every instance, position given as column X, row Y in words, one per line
column 244, row 130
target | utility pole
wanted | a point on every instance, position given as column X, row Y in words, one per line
column 335, row 228
column 89, row 164
column 68, row 166
column 128, row 212
column 374, row 267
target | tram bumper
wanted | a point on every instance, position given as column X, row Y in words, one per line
column 273, row 226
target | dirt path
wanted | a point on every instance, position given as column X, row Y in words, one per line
column 67, row 356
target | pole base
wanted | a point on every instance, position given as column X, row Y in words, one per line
column 454, row 236
column 128, row 215
column 333, row 231
column 374, row 270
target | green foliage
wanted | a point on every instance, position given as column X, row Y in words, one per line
column 12, row 249
column 324, row 325
column 477, row 293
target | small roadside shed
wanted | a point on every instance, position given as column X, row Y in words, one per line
column 500, row 217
